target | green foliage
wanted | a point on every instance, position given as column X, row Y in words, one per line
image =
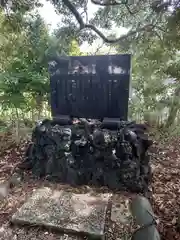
column 24, row 79
column 153, row 40
column 74, row 49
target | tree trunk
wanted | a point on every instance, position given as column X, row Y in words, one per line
column 173, row 109
column 17, row 126
column 39, row 101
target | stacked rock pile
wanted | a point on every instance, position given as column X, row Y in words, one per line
column 88, row 153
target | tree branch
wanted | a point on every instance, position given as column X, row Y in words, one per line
column 130, row 33
column 98, row 48
column 82, row 25
column 106, row 3
column 129, row 10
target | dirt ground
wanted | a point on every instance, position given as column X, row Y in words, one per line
column 165, row 187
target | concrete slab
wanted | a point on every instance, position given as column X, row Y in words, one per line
column 65, row 211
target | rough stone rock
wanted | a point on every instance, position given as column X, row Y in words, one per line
column 86, row 153
column 65, row 211
column 142, row 210
column 144, row 216
column 149, row 233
